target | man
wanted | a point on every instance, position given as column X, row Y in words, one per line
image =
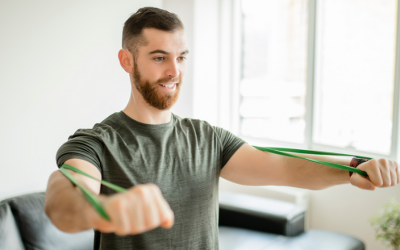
column 170, row 165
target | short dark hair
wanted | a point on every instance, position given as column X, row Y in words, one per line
column 147, row 17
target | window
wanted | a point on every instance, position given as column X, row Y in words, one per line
column 274, row 69
column 320, row 74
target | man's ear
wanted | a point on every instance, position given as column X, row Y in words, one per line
column 126, row 60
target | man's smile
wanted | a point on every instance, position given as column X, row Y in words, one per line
column 168, row 87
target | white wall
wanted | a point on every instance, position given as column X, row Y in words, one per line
column 59, row 71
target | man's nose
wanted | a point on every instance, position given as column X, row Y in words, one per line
column 173, row 69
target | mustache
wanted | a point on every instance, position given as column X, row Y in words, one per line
column 168, row 79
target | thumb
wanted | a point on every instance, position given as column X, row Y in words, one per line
column 168, row 222
column 361, row 182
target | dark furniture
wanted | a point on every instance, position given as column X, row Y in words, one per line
column 246, row 222
column 25, row 226
column 250, row 222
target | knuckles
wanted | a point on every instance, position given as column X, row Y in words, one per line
column 118, row 204
column 378, row 164
column 147, row 189
column 373, row 164
column 141, row 193
column 155, row 189
column 137, row 198
column 382, row 161
column 152, row 223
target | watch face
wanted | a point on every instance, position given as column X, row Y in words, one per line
column 357, row 161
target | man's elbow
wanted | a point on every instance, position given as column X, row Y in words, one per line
column 60, row 220
column 54, row 206
column 52, row 215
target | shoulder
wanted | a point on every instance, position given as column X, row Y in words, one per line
column 202, row 128
column 113, row 121
column 101, row 130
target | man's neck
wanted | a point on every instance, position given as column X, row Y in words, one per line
column 139, row 110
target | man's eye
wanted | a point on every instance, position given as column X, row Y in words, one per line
column 182, row 58
column 159, row 59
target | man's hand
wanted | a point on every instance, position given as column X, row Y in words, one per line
column 139, row 209
column 381, row 173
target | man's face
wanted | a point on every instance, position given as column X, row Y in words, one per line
column 159, row 67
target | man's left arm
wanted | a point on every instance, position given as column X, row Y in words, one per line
column 250, row 166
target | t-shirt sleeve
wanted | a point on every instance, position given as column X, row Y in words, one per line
column 230, row 143
column 85, row 145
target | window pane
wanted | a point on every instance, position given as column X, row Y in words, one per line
column 354, row 74
column 273, row 82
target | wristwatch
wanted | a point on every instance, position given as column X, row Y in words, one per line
column 355, row 162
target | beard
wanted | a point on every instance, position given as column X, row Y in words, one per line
column 151, row 95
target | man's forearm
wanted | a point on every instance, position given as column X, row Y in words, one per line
column 65, row 205
column 250, row 166
column 310, row 175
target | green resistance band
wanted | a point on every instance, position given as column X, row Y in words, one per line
column 92, row 199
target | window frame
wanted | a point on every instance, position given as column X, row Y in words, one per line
column 235, row 25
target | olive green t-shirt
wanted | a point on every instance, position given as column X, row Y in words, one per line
column 183, row 157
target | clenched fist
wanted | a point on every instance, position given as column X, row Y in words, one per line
column 139, row 209
column 381, row 173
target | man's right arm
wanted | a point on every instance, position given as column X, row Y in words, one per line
column 139, row 209
column 65, row 204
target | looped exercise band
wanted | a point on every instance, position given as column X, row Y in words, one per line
column 92, row 199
